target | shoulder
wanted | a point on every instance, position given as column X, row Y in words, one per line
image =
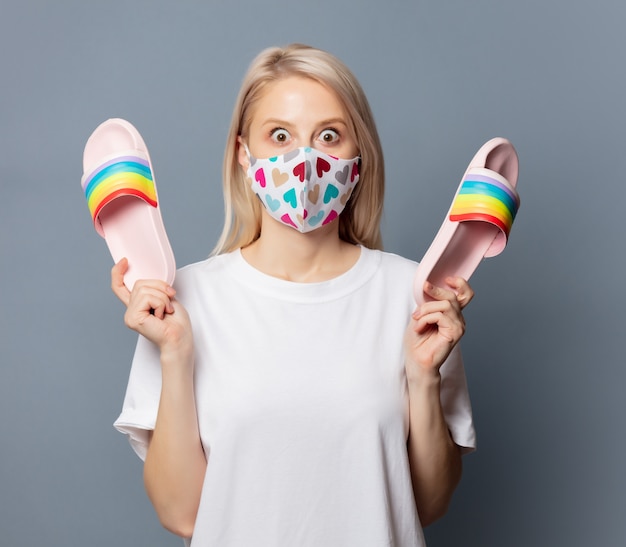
column 393, row 276
column 393, row 264
column 211, row 284
column 211, row 272
column 212, row 266
column 398, row 262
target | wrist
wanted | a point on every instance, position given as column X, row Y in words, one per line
column 419, row 378
column 177, row 347
column 179, row 356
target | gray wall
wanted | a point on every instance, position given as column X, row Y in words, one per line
column 544, row 360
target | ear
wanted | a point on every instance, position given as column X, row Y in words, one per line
column 242, row 157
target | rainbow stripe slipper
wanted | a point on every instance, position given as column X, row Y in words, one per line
column 479, row 221
column 118, row 183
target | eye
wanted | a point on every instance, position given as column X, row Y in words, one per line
column 329, row 136
column 280, row 135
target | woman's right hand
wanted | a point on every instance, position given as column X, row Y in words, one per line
column 152, row 311
column 175, row 463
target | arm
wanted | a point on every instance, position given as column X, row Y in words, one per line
column 175, row 462
column 434, row 458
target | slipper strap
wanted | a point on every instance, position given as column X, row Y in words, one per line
column 121, row 176
column 488, row 197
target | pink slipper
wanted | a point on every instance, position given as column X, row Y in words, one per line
column 479, row 221
column 121, row 194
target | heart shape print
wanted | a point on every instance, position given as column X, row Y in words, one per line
column 303, row 170
column 272, row 204
column 322, row 166
column 331, row 216
column 259, row 176
column 287, row 220
column 314, row 194
column 345, row 197
column 355, row 171
column 330, row 193
column 316, row 219
column 290, row 197
column 278, row 177
column 342, row 176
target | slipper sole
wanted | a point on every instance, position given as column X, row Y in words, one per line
column 123, row 201
column 479, row 220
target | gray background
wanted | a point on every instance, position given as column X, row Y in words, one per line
column 543, row 352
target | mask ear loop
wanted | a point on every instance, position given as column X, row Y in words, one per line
column 251, row 158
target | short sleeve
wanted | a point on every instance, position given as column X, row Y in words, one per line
column 455, row 402
column 143, row 392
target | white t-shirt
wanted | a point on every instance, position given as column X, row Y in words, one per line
column 302, row 404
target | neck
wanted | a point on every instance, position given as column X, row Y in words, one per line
column 285, row 253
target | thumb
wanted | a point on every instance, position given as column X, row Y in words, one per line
column 117, row 281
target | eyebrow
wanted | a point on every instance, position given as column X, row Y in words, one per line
column 329, row 121
column 332, row 121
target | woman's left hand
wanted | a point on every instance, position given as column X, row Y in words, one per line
column 436, row 327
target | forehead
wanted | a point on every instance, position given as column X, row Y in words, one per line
column 297, row 99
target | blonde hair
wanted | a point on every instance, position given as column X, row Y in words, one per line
column 359, row 223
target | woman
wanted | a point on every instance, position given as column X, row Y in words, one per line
column 287, row 391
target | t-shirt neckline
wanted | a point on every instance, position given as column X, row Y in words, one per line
column 337, row 287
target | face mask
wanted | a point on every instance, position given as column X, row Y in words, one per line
column 304, row 188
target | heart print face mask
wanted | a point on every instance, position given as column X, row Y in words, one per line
column 304, row 188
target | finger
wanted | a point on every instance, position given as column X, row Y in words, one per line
column 143, row 311
column 463, row 290
column 166, row 308
column 435, row 306
column 449, row 328
column 446, row 309
column 155, row 284
column 446, row 302
column 154, row 303
column 160, row 310
column 439, row 293
column 147, row 297
column 117, row 281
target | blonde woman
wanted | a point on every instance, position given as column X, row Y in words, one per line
column 286, row 391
